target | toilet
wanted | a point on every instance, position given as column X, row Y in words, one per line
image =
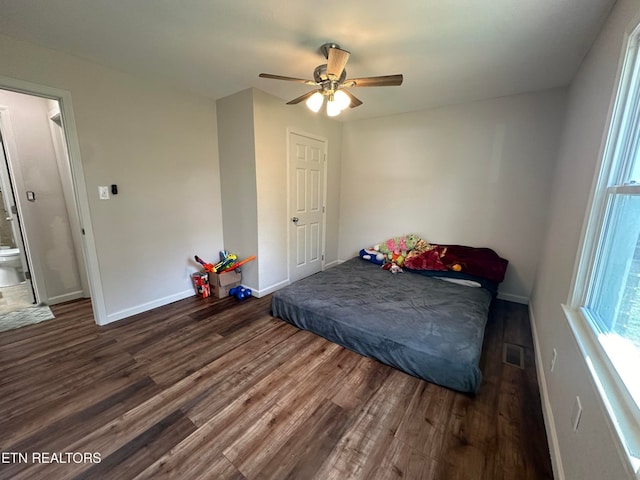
column 10, row 267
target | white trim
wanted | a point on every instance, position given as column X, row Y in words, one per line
column 621, row 421
column 329, row 265
column 67, row 297
column 160, row 302
column 625, row 190
column 510, row 297
column 601, row 357
column 547, row 411
column 56, row 127
column 73, row 146
column 266, row 291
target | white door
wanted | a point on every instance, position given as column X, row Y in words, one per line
column 307, row 159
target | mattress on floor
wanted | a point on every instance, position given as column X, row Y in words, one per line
column 427, row 327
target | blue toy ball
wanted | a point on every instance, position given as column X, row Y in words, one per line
column 240, row 292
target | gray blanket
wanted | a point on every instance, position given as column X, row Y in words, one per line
column 424, row 326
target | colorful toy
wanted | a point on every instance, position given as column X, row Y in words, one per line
column 207, row 266
column 226, row 261
column 395, row 268
column 238, row 264
column 201, row 282
column 373, row 255
column 395, row 249
column 240, row 292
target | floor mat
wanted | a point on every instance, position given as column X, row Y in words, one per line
column 25, row 316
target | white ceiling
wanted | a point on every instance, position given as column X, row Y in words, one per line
column 449, row 51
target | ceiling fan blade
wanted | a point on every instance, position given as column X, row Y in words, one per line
column 302, row 98
column 383, row 81
column 288, row 79
column 336, row 62
column 355, row 102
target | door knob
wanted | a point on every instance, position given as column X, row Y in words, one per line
column 295, row 219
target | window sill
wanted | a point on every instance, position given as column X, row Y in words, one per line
column 623, row 417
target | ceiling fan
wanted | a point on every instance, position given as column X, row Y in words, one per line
column 331, row 77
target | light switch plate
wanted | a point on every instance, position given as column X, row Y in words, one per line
column 104, row 193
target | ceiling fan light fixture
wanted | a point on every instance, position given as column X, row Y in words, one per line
column 333, row 109
column 341, row 99
column 314, row 102
column 330, row 78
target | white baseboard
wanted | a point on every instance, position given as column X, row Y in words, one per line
column 513, row 298
column 277, row 286
column 67, row 297
column 266, row 291
column 331, row 264
column 112, row 317
column 549, row 422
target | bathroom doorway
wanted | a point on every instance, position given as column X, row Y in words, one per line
column 16, row 289
column 41, row 227
column 76, row 199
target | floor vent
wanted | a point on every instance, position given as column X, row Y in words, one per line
column 513, row 355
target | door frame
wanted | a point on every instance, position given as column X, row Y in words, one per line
column 80, row 196
column 302, row 133
column 56, row 127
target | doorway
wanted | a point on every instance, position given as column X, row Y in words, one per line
column 307, row 170
column 37, row 191
column 81, row 201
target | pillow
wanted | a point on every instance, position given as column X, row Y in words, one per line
column 484, row 282
column 460, row 281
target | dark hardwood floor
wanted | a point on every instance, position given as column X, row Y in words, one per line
column 217, row 389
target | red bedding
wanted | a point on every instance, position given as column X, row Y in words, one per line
column 482, row 262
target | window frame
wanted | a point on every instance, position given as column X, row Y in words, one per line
column 620, row 138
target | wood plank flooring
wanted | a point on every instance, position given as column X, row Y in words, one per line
column 219, row 389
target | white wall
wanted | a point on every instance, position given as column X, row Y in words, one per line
column 47, row 223
column 591, row 452
column 160, row 146
column 238, row 172
column 475, row 174
column 272, row 119
column 252, row 128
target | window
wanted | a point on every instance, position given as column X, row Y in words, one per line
column 607, row 286
column 613, row 302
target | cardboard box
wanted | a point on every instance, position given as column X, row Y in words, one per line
column 221, row 283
